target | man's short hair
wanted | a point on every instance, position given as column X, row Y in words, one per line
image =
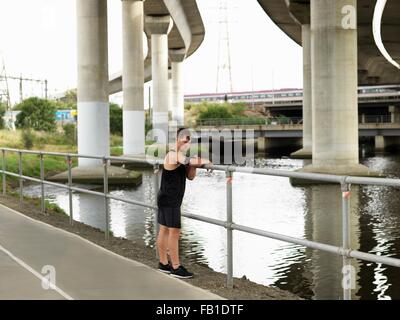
column 183, row 130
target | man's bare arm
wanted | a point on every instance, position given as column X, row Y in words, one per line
column 194, row 163
column 190, row 172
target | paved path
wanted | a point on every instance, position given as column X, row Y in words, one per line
column 83, row 270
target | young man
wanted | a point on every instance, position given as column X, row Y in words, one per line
column 177, row 168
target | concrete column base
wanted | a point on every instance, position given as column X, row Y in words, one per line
column 357, row 170
column 95, row 175
column 379, row 143
column 302, row 154
column 387, row 143
column 262, row 144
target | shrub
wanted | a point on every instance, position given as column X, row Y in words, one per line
column 28, row 138
column 214, row 111
column 237, row 109
column 36, row 113
column 115, row 119
column 70, row 133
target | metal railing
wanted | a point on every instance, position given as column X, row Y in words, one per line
column 378, row 119
column 383, row 118
column 344, row 181
column 248, row 121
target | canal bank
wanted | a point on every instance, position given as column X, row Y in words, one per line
column 206, row 278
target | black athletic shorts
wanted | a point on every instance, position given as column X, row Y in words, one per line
column 169, row 217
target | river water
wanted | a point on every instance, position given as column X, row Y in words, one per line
column 273, row 204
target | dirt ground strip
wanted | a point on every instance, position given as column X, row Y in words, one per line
column 205, row 277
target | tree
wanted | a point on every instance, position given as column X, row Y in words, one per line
column 68, row 101
column 36, row 113
column 115, row 119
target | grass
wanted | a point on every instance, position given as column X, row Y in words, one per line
column 11, row 139
column 50, row 208
column 31, row 164
column 36, row 201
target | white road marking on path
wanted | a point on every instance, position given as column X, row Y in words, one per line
column 35, row 273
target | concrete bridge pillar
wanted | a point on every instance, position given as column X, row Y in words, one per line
column 379, row 143
column 262, row 144
column 395, row 114
column 93, row 103
column 177, row 58
column 306, row 151
column 159, row 28
column 334, row 88
column 390, row 143
column 133, row 77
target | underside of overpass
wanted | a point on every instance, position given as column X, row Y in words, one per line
column 187, row 33
column 339, row 53
column 373, row 68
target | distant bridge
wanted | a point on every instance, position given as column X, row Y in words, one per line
column 294, row 97
column 296, row 130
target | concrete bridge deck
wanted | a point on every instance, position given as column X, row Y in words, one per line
column 83, row 269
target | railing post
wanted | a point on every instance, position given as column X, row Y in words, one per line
column 156, row 171
column 229, row 249
column 71, row 211
column 42, row 200
column 4, row 171
column 106, row 200
column 347, row 282
column 20, row 177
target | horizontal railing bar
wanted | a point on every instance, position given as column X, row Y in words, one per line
column 77, row 189
column 205, row 219
column 261, row 171
column 320, row 246
column 75, row 155
column 55, row 184
column 138, row 203
column 390, row 182
column 279, row 173
column 81, row 190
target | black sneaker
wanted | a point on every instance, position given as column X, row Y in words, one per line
column 166, row 268
column 181, row 273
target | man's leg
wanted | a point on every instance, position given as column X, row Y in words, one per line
column 162, row 244
column 173, row 246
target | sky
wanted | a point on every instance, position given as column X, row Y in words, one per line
column 38, row 40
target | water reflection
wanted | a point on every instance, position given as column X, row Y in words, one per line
column 270, row 203
column 324, row 224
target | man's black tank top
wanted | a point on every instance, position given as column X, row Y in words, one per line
column 172, row 188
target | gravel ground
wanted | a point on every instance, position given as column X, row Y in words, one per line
column 205, row 277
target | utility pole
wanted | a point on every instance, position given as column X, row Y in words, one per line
column 5, row 93
column 45, row 89
column 21, row 96
column 4, row 89
column 224, row 68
